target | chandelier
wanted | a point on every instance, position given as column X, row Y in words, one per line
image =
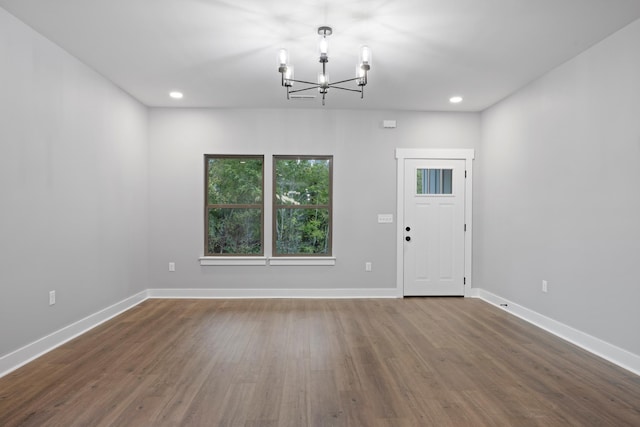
column 324, row 84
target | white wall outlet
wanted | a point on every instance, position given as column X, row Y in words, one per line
column 172, row 266
column 52, row 297
column 385, row 218
column 367, row 266
column 544, row 286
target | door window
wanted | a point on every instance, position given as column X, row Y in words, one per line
column 434, row 181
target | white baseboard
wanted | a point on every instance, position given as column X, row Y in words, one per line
column 610, row 352
column 29, row 352
column 276, row 293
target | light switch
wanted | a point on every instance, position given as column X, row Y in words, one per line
column 385, row 218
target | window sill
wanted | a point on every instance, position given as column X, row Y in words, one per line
column 206, row 261
column 302, row 261
column 236, row 260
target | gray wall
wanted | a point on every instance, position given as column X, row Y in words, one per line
column 73, row 176
column 558, row 193
column 98, row 194
column 364, row 185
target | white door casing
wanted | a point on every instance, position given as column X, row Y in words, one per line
column 437, row 258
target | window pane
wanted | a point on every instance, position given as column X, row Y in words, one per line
column 434, row 181
column 302, row 231
column 234, row 231
column 302, row 181
column 446, row 181
column 234, row 180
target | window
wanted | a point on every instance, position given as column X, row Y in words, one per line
column 234, row 205
column 302, row 205
column 434, row 181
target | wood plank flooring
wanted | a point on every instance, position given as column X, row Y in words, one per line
column 387, row 362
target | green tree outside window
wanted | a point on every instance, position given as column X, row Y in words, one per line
column 302, row 205
column 234, row 205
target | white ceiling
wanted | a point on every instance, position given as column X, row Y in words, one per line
column 222, row 53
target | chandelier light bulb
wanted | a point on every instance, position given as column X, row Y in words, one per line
column 360, row 75
column 323, row 47
column 288, row 75
column 283, row 57
column 365, row 55
column 323, row 80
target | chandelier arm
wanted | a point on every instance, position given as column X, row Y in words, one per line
column 345, row 81
column 344, row 88
column 303, row 82
column 306, row 88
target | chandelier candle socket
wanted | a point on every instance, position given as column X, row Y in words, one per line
column 323, row 83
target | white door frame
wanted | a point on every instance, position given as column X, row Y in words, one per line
column 440, row 154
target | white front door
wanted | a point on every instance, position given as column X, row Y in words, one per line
column 433, row 227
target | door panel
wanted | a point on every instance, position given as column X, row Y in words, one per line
column 434, row 227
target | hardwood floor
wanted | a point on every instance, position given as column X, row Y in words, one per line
column 404, row 362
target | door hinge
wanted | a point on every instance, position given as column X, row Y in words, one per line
column 465, row 227
column 464, row 281
column 465, row 174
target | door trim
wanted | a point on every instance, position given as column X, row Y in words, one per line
column 437, row 154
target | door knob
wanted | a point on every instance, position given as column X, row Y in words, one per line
column 408, row 239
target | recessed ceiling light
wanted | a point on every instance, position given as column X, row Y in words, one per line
column 176, row 95
column 455, row 99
